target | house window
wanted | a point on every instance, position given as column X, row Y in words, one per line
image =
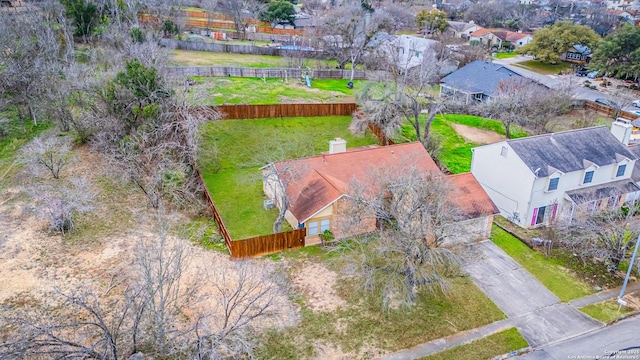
column 478, row 96
column 573, row 56
column 318, row 227
column 504, row 151
column 621, row 169
column 417, row 53
column 588, row 177
column 553, row 184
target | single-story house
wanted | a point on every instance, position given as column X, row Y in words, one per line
column 538, row 179
column 317, row 187
column 462, row 29
column 477, row 80
column 577, row 54
column 515, row 39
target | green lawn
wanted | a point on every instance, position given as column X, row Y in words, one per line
column 486, row 348
column 207, row 58
column 234, row 150
column 13, row 135
column 506, row 55
column 547, row 270
column 456, row 151
column 361, row 324
column 606, row 311
column 226, row 90
column 544, row 68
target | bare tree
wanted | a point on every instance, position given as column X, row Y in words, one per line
column 160, row 266
column 606, row 235
column 33, row 58
column 415, row 216
column 525, row 103
column 351, row 31
column 405, row 97
column 240, row 11
column 248, row 293
column 60, row 203
column 151, row 134
column 52, row 153
column 83, row 327
column 279, row 173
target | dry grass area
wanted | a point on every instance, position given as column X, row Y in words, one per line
column 578, row 118
column 34, row 260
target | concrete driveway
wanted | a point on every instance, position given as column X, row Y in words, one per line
column 534, row 310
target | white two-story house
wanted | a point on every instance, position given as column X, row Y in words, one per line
column 538, row 179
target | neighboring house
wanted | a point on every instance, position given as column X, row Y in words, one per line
column 317, row 187
column 484, row 37
column 539, row 179
column 514, row 39
column 577, row 54
column 462, row 29
column 623, row 4
column 500, row 38
column 477, row 80
column 410, row 52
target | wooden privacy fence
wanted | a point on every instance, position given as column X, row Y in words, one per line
column 239, row 49
column 267, row 73
column 205, row 20
column 609, row 111
column 255, row 246
column 286, row 110
column 268, row 244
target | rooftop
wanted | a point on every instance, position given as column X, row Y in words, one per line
column 571, row 150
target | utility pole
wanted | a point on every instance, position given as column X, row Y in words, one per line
column 621, row 302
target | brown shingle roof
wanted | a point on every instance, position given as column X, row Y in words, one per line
column 323, row 179
column 470, row 197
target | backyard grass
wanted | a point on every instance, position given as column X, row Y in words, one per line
column 486, row 348
column 234, row 150
column 207, row 58
column 362, row 325
column 505, row 55
column 14, row 133
column 606, row 311
column 234, row 90
column 544, row 68
column 548, row 271
column 455, row 153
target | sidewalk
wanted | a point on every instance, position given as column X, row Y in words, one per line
column 604, row 295
column 449, row 342
column 464, row 337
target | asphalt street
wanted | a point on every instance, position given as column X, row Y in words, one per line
column 555, row 81
column 619, row 341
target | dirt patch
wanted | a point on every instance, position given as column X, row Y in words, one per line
column 34, row 260
column 478, row 136
column 317, row 283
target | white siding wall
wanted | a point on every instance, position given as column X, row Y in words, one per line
column 572, row 181
column 506, row 179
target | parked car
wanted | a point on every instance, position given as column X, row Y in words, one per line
column 593, row 74
column 608, row 103
column 636, row 103
column 581, row 72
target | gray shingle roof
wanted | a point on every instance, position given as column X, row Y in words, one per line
column 603, row 191
column 479, row 77
column 570, row 150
